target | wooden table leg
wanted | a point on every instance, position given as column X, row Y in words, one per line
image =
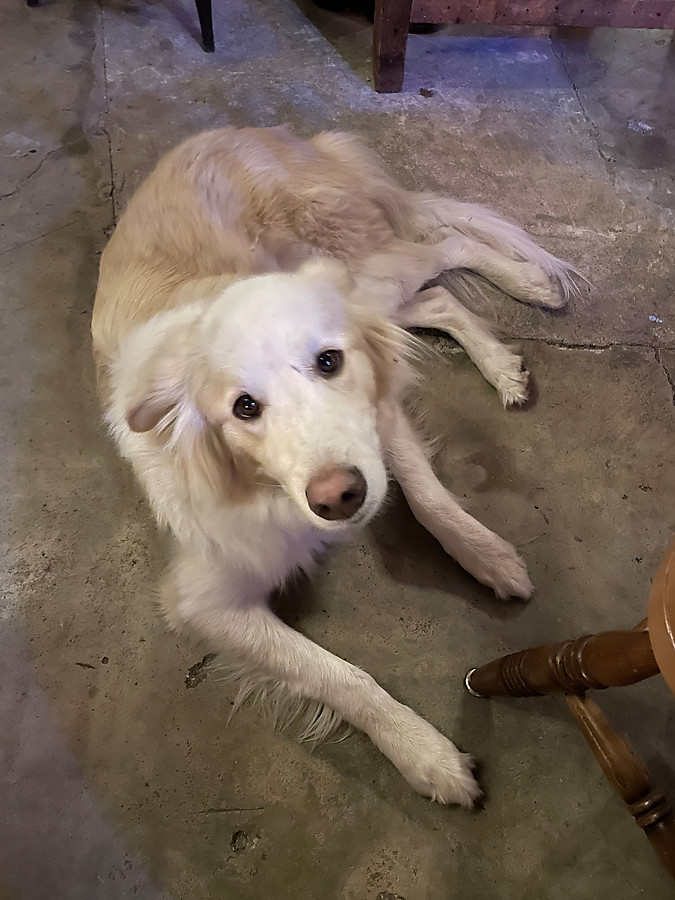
column 607, row 659
column 390, row 38
column 629, row 777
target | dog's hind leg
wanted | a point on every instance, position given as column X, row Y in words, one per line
column 436, row 308
column 394, row 275
column 228, row 609
column 510, row 258
column 397, row 273
column 486, row 556
column 522, row 280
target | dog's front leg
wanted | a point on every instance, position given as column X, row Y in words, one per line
column 229, row 610
column 489, row 558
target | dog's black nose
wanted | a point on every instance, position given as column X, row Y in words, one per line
column 336, row 493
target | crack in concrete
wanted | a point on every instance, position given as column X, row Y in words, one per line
column 39, row 236
column 106, row 113
column 608, row 345
column 28, row 177
column 227, row 809
column 595, row 131
column 669, row 377
column 571, row 345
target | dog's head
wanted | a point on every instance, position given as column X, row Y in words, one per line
column 282, row 378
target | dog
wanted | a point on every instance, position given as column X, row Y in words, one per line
column 249, row 333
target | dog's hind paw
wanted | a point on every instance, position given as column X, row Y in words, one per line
column 551, row 294
column 538, row 287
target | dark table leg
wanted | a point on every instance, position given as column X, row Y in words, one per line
column 205, row 14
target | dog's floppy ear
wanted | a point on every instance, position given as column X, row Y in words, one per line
column 166, row 387
column 148, row 413
column 161, row 391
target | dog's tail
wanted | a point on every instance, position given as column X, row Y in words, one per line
column 437, row 217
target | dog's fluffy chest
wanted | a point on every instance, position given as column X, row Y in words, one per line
column 269, row 538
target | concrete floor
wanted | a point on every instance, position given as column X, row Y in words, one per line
column 119, row 776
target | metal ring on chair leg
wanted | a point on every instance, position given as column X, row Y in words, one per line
column 468, row 686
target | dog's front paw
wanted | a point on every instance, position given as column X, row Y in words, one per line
column 513, row 389
column 505, row 572
column 428, row 761
column 496, row 563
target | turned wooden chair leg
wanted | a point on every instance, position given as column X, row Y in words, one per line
column 205, row 14
column 390, row 38
column 629, row 777
column 607, row 659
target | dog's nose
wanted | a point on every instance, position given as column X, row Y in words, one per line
column 336, row 493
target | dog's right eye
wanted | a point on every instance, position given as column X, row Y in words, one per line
column 246, row 407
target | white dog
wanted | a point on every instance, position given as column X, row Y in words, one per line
column 248, row 333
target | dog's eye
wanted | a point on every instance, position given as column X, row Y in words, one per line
column 329, row 362
column 246, row 407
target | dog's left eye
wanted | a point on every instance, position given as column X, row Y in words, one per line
column 329, row 362
column 247, row 407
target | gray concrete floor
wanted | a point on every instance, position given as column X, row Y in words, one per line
column 119, row 780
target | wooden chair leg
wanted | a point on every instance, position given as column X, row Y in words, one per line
column 629, row 777
column 607, row 659
column 205, row 14
column 390, row 38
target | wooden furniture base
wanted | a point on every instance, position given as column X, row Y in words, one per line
column 629, row 777
column 392, row 18
column 597, row 662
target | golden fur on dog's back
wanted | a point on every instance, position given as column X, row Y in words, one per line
column 233, row 203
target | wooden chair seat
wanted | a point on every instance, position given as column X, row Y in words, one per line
column 662, row 617
column 595, row 662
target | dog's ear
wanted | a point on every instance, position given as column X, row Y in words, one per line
column 173, row 394
column 161, row 392
column 148, row 413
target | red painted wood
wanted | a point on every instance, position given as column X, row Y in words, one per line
column 584, row 13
